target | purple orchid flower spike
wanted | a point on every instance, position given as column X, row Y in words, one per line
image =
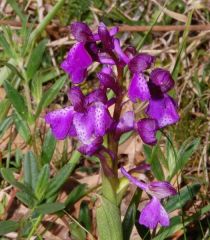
column 77, row 62
column 153, row 213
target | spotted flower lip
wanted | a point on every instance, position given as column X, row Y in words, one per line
column 77, row 62
column 138, row 88
column 61, row 122
column 140, row 62
column 153, row 213
column 163, row 110
column 125, row 124
column 147, row 129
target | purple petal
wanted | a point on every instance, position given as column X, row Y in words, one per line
column 105, row 58
column 107, row 70
column 163, row 217
column 92, row 147
column 100, row 118
column 77, row 62
column 92, row 49
column 161, row 189
column 164, row 110
column 84, row 128
column 130, row 51
column 107, row 81
column 113, row 31
column 81, row 32
column 147, row 129
column 122, row 56
column 154, row 213
column 135, row 181
column 105, row 37
column 150, row 214
column 138, row 88
column 140, row 62
column 97, row 95
column 76, row 98
column 61, row 122
column 162, row 79
column 126, row 123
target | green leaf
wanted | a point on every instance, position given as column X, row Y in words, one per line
column 49, row 208
column 4, row 108
column 36, row 59
column 30, row 170
column 60, row 178
column 182, row 46
column 37, row 88
column 108, row 221
column 26, row 199
column 183, row 156
column 5, row 124
column 77, row 193
column 50, row 95
column 22, row 127
column 186, row 194
column 17, row 10
column 84, row 215
column 6, row 46
column 16, row 99
column 48, row 147
column 8, row 226
column 153, row 158
column 77, row 233
column 5, row 72
column 176, row 223
column 7, row 174
column 130, row 215
column 42, row 182
column 125, row 137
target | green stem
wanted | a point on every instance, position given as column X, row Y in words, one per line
column 35, row 226
column 46, row 20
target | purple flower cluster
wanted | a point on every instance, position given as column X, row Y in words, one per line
column 153, row 213
column 88, row 117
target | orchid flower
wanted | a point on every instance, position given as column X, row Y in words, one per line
column 153, row 213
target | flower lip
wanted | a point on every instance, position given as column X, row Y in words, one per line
column 147, row 129
column 154, row 213
column 138, row 88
